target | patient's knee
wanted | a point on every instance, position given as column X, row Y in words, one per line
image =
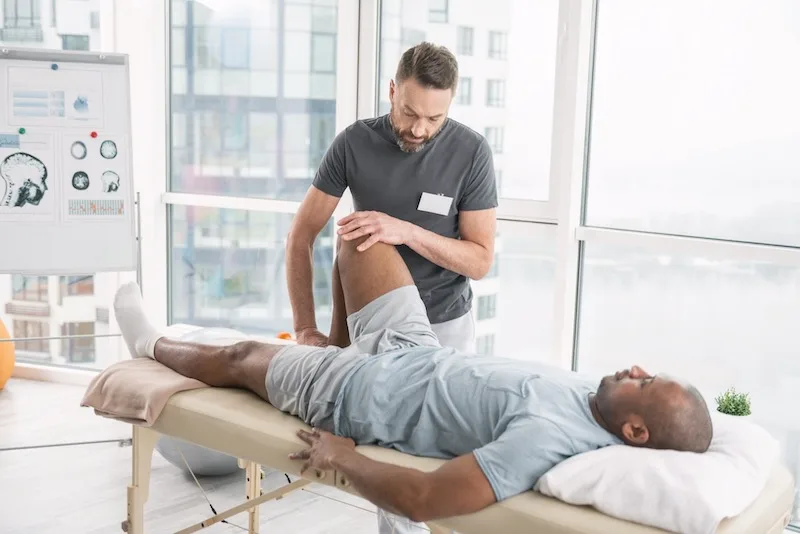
column 238, row 353
column 349, row 249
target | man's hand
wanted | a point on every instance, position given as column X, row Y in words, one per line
column 381, row 228
column 313, row 337
column 324, row 448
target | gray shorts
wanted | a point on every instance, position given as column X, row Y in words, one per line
column 305, row 381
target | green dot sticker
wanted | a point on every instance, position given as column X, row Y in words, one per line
column 22, row 131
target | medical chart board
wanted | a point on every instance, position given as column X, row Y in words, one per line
column 67, row 201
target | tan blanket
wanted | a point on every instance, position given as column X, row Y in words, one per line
column 135, row 391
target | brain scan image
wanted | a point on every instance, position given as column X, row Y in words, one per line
column 108, row 149
column 80, row 181
column 25, row 179
column 110, row 181
column 78, row 150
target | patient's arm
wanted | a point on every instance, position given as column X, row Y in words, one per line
column 458, row 487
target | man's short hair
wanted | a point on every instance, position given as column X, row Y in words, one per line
column 430, row 65
column 684, row 424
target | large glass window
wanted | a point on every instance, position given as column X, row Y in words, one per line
column 508, row 51
column 253, row 95
column 228, row 269
column 696, row 120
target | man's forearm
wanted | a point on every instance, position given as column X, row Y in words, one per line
column 299, row 273
column 399, row 490
column 460, row 256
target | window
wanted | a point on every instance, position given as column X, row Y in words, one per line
column 77, row 285
column 484, row 345
column 487, row 307
column 677, row 145
column 523, row 106
column 410, row 37
column 235, row 130
column 204, row 48
column 78, row 349
column 438, row 11
column 235, row 48
column 94, row 20
column 495, row 93
column 35, row 329
column 522, row 292
column 227, row 269
column 497, row 45
column 464, row 92
column 323, row 52
column 21, row 13
column 465, row 40
column 29, row 288
column 494, row 136
column 239, row 133
column 75, row 42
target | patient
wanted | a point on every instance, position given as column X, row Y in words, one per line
column 501, row 423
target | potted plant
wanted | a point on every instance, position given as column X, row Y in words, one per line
column 732, row 402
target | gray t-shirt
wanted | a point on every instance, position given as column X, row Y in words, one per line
column 456, row 163
column 518, row 418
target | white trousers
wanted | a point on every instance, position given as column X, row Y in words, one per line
column 460, row 334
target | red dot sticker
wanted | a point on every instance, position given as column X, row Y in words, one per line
column 93, row 134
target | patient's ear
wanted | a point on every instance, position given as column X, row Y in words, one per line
column 635, row 431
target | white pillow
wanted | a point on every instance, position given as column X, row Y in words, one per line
column 675, row 491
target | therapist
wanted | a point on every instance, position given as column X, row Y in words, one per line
column 419, row 180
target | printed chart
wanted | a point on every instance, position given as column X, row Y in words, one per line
column 67, row 196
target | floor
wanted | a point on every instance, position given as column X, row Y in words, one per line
column 81, row 489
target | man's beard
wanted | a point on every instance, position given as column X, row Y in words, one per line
column 404, row 145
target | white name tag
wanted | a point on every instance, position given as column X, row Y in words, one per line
column 438, row 204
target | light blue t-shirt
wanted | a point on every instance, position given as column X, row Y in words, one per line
column 519, row 418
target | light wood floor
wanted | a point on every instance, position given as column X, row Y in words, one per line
column 82, row 489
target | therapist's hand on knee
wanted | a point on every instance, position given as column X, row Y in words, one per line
column 379, row 226
column 324, row 448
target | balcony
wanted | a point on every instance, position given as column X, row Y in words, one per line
column 22, row 35
column 28, row 309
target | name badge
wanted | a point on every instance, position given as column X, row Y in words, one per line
column 438, row 204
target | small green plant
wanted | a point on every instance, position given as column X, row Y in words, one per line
column 733, row 403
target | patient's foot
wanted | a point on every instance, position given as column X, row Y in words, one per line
column 139, row 334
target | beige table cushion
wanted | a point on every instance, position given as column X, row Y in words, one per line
column 239, row 423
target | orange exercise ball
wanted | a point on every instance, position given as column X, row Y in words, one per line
column 6, row 356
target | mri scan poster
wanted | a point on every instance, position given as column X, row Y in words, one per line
column 68, row 198
column 26, row 170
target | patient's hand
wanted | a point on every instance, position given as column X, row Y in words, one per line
column 313, row 337
column 324, row 448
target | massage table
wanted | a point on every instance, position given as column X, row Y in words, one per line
column 240, row 424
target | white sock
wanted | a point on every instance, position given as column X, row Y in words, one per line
column 139, row 334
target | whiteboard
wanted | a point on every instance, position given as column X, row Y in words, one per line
column 67, row 201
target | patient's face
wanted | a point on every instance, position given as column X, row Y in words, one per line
column 631, row 393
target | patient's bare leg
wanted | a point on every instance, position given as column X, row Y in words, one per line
column 370, row 274
column 242, row 365
column 339, row 335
